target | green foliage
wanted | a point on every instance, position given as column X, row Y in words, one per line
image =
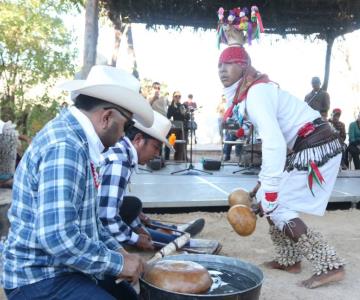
column 35, row 48
column 40, row 115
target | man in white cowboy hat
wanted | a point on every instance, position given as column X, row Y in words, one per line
column 121, row 214
column 57, row 244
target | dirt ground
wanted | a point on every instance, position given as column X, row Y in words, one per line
column 341, row 229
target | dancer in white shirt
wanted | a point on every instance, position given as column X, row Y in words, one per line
column 301, row 181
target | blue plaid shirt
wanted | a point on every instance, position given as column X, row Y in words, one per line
column 115, row 172
column 54, row 224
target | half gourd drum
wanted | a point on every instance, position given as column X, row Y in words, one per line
column 179, row 276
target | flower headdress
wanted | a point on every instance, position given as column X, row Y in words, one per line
column 237, row 27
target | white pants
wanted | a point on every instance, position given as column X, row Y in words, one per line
column 295, row 195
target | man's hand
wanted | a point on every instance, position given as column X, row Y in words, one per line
column 133, row 267
column 142, row 230
column 144, row 242
column 144, row 218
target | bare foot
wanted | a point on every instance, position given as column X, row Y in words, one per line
column 296, row 268
column 315, row 281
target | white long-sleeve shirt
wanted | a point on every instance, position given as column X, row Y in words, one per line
column 278, row 116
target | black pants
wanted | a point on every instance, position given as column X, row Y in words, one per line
column 130, row 209
column 355, row 153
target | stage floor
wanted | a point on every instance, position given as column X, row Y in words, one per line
column 161, row 189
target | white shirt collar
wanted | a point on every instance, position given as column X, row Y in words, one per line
column 95, row 145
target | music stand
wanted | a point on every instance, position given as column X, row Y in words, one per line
column 247, row 170
column 191, row 170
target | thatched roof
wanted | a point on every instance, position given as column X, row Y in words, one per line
column 328, row 18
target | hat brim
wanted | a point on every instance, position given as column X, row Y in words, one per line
column 120, row 96
column 154, row 135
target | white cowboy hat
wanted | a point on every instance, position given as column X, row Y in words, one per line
column 115, row 86
column 159, row 130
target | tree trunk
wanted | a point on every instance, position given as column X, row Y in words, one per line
column 119, row 29
column 91, row 36
column 131, row 51
column 329, row 43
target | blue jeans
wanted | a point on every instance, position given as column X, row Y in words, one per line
column 73, row 286
column 229, row 136
column 161, row 237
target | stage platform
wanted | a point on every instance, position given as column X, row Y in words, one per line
column 161, row 189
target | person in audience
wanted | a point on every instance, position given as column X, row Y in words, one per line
column 177, row 113
column 318, row 99
column 339, row 128
column 157, row 102
column 220, row 109
column 354, row 142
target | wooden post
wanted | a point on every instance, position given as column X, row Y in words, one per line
column 329, row 43
column 91, row 36
column 119, row 28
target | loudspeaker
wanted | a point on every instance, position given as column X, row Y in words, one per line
column 211, row 164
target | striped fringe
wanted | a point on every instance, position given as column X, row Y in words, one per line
column 319, row 154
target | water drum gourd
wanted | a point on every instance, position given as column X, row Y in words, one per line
column 179, row 276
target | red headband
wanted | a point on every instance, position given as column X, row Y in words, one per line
column 236, row 55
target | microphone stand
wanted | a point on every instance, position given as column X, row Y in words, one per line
column 191, row 170
column 251, row 169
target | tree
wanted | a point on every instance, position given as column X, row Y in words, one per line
column 91, row 36
column 34, row 49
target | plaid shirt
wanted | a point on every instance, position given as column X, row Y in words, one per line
column 115, row 171
column 53, row 215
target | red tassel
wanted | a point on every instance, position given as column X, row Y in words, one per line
column 260, row 22
column 317, row 171
column 310, row 181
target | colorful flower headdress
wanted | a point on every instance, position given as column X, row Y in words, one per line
column 237, row 27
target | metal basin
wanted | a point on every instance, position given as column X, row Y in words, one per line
column 233, row 279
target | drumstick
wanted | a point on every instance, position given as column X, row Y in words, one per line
column 165, row 227
column 171, row 247
column 167, row 221
column 190, row 250
column 167, row 250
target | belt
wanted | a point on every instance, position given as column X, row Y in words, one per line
column 322, row 134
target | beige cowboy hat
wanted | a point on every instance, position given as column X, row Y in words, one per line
column 159, row 130
column 116, row 86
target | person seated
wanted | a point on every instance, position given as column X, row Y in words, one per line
column 120, row 214
column 8, row 146
column 234, row 132
column 354, row 142
column 339, row 128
